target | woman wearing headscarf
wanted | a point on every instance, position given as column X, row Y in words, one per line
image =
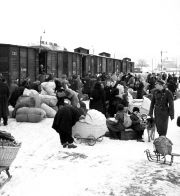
column 97, row 98
column 65, row 119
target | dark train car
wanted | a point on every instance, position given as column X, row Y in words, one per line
column 132, row 67
column 124, row 66
column 104, row 64
column 71, row 64
column 110, row 68
column 85, row 60
column 117, row 66
column 18, row 62
column 128, row 65
column 98, row 65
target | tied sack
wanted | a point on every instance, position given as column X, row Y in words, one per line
column 127, row 120
column 163, row 145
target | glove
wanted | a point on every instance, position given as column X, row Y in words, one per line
column 172, row 117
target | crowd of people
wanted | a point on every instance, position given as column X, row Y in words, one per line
column 110, row 94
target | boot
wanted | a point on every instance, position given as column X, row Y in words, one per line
column 72, row 145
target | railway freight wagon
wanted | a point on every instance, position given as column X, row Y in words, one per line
column 18, row 62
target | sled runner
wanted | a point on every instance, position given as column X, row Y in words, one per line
column 90, row 140
column 159, row 158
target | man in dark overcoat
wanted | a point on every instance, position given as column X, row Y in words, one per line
column 64, row 120
column 4, row 96
column 162, row 106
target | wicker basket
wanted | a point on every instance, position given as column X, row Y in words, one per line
column 7, row 155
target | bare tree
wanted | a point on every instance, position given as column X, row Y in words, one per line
column 141, row 63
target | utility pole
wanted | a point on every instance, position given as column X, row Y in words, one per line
column 41, row 42
column 162, row 59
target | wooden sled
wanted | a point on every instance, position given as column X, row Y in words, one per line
column 90, row 140
column 159, row 158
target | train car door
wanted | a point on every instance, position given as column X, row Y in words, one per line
column 83, row 66
column 43, row 62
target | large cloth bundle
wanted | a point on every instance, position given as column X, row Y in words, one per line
column 177, row 105
column 135, row 103
column 48, row 88
column 142, row 104
column 163, row 145
column 49, row 100
column 33, row 93
column 127, row 120
column 33, row 115
column 145, row 105
column 25, row 101
column 94, row 125
column 50, row 112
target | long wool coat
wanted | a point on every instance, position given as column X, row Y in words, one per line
column 65, row 118
column 4, row 96
column 97, row 100
column 162, row 105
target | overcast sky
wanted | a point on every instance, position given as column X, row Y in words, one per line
column 138, row 29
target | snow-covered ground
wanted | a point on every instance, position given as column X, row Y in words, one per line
column 110, row 167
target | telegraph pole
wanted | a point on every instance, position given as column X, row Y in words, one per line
column 162, row 59
column 41, row 42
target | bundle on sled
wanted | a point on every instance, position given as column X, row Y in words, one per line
column 90, row 129
column 9, row 148
column 162, row 148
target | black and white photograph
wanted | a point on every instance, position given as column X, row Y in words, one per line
column 90, row 98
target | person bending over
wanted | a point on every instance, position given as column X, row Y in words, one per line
column 65, row 119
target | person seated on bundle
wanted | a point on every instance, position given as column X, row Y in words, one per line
column 136, row 124
column 115, row 125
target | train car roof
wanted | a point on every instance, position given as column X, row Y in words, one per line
column 15, row 45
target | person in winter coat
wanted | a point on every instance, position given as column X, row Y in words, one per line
column 4, row 96
column 64, row 120
column 97, row 98
column 139, row 88
column 15, row 95
column 115, row 127
column 136, row 124
column 162, row 105
column 60, row 93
